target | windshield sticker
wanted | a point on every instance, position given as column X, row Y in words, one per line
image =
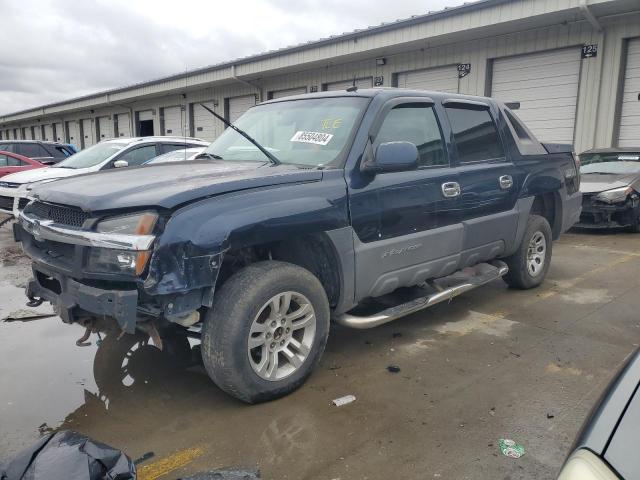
column 328, row 123
column 629, row 157
column 317, row 138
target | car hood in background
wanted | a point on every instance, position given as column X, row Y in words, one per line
column 167, row 185
column 595, row 183
column 39, row 174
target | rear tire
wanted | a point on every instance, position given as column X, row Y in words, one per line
column 266, row 331
column 528, row 266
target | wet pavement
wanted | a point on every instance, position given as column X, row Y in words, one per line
column 494, row 363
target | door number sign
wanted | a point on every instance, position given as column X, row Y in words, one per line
column 464, row 69
column 589, row 51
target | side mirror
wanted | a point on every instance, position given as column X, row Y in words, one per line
column 120, row 164
column 393, row 157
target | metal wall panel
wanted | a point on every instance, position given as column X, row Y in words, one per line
column 344, row 84
column 239, row 105
column 287, row 92
column 629, row 123
column 442, row 79
column 546, row 85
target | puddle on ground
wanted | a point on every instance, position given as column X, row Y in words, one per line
column 478, row 322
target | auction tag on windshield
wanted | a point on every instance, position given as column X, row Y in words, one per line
column 317, row 138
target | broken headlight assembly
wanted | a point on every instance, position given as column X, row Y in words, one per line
column 117, row 261
column 615, row 195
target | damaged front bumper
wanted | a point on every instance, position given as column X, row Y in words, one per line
column 73, row 300
column 598, row 214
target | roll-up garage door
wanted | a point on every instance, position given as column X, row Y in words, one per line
column 205, row 125
column 546, row 85
column 124, row 124
column 48, row 133
column 104, row 128
column 58, row 134
column 239, row 105
column 629, row 127
column 27, row 133
column 88, row 137
column 37, row 132
column 344, row 84
column 174, row 122
column 287, row 92
column 73, row 134
column 441, row 79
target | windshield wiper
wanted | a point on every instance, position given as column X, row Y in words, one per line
column 212, row 156
column 268, row 154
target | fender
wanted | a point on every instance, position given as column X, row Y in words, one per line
column 189, row 252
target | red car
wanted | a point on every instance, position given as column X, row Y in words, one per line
column 12, row 163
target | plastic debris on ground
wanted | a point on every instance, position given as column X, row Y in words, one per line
column 339, row 402
column 69, row 455
column 26, row 316
column 393, row 368
column 511, row 449
column 227, row 474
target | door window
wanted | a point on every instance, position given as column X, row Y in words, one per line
column 3, row 160
column 170, row 147
column 415, row 123
column 14, row 162
column 139, row 155
column 475, row 134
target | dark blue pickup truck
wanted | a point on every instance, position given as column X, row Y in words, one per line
column 359, row 206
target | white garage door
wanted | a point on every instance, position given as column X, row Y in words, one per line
column 124, row 124
column 205, row 125
column 48, row 133
column 288, row 92
column 441, row 79
column 27, row 134
column 104, row 128
column 239, row 105
column 546, row 85
column 174, row 121
column 37, row 132
column 58, row 134
column 629, row 129
column 344, row 84
column 88, row 136
column 73, row 133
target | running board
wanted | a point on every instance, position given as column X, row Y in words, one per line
column 446, row 288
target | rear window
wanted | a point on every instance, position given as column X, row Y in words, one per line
column 475, row 133
column 32, row 150
column 61, row 152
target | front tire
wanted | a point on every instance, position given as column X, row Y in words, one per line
column 266, row 331
column 528, row 266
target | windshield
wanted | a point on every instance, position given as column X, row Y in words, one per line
column 91, row 156
column 176, row 156
column 610, row 163
column 309, row 132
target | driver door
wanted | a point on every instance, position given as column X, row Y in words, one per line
column 405, row 222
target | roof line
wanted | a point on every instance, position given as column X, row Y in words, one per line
column 385, row 26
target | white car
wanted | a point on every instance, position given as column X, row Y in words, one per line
column 116, row 153
column 176, row 156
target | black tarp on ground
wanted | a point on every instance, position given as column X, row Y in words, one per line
column 67, row 455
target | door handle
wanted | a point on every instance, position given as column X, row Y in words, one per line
column 451, row 189
column 506, row 182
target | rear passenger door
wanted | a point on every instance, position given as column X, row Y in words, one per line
column 488, row 181
column 139, row 155
column 406, row 229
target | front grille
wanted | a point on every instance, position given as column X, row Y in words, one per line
column 58, row 213
column 6, row 203
column 22, row 202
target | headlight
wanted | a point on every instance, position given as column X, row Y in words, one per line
column 135, row 224
column 584, row 465
column 615, row 195
column 106, row 260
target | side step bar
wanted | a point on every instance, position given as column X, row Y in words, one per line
column 460, row 282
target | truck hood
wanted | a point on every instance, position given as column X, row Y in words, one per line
column 595, row 182
column 40, row 174
column 167, row 185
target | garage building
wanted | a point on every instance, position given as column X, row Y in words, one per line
column 572, row 65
